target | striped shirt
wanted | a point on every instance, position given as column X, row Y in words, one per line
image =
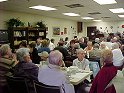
column 5, row 65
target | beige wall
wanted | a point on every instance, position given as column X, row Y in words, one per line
column 50, row 22
column 117, row 26
column 62, row 23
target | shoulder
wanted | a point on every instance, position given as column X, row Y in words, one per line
column 86, row 60
column 75, row 60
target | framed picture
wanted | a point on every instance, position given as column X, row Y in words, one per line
column 56, row 30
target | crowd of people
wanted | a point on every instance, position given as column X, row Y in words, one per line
column 108, row 52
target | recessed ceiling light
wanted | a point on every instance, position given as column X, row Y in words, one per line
column 97, row 20
column 87, row 18
column 117, row 10
column 121, row 16
column 71, row 14
column 2, row 0
column 45, row 8
column 103, row 2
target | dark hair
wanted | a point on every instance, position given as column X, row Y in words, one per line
column 52, row 40
column 23, row 43
column 75, row 36
column 32, row 45
column 66, row 39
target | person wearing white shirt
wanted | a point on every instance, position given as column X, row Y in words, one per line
column 117, row 55
column 51, row 45
column 53, row 75
column 81, row 62
column 38, row 43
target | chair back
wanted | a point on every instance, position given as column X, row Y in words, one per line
column 17, row 84
column 42, row 88
column 94, row 66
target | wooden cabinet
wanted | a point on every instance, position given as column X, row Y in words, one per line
column 30, row 34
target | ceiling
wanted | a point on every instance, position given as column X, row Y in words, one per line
column 89, row 7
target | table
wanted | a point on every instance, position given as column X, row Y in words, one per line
column 79, row 77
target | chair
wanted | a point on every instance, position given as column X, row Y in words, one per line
column 17, row 84
column 42, row 88
column 94, row 66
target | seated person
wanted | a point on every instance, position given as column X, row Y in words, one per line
column 118, row 58
column 72, row 50
column 44, row 47
column 44, row 58
column 102, row 83
column 52, row 74
column 62, row 50
column 25, row 67
column 34, row 53
column 95, row 54
column 81, row 62
column 7, row 61
column 88, row 48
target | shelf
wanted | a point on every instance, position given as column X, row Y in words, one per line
column 19, row 36
column 29, row 34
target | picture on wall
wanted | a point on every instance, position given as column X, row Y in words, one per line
column 56, row 30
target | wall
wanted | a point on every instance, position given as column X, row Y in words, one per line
column 104, row 27
column 50, row 22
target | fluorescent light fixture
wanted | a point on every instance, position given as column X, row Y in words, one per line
column 71, row 14
column 45, row 8
column 117, row 10
column 2, row 0
column 87, row 18
column 97, row 20
column 121, row 16
column 103, row 2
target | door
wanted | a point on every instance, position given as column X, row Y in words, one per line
column 91, row 32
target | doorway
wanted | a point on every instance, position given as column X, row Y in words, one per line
column 91, row 32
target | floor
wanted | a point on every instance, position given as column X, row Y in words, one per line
column 119, row 82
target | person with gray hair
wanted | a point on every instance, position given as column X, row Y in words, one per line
column 53, row 75
column 118, row 58
column 81, row 62
column 7, row 61
column 20, row 54
column 25, row 67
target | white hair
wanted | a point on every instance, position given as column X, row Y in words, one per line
column 20, row 53
column 97, row 40
column 80, row 51
column 3, row 49
column 54, row 57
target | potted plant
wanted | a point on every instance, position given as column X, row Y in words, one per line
column 40, row 24
column 14, row 22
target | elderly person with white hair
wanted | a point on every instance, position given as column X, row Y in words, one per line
column 7, row 61
column 25, row 67
column 118, row 58
column 81, row 62
column 102, row 83
column 53, row 75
